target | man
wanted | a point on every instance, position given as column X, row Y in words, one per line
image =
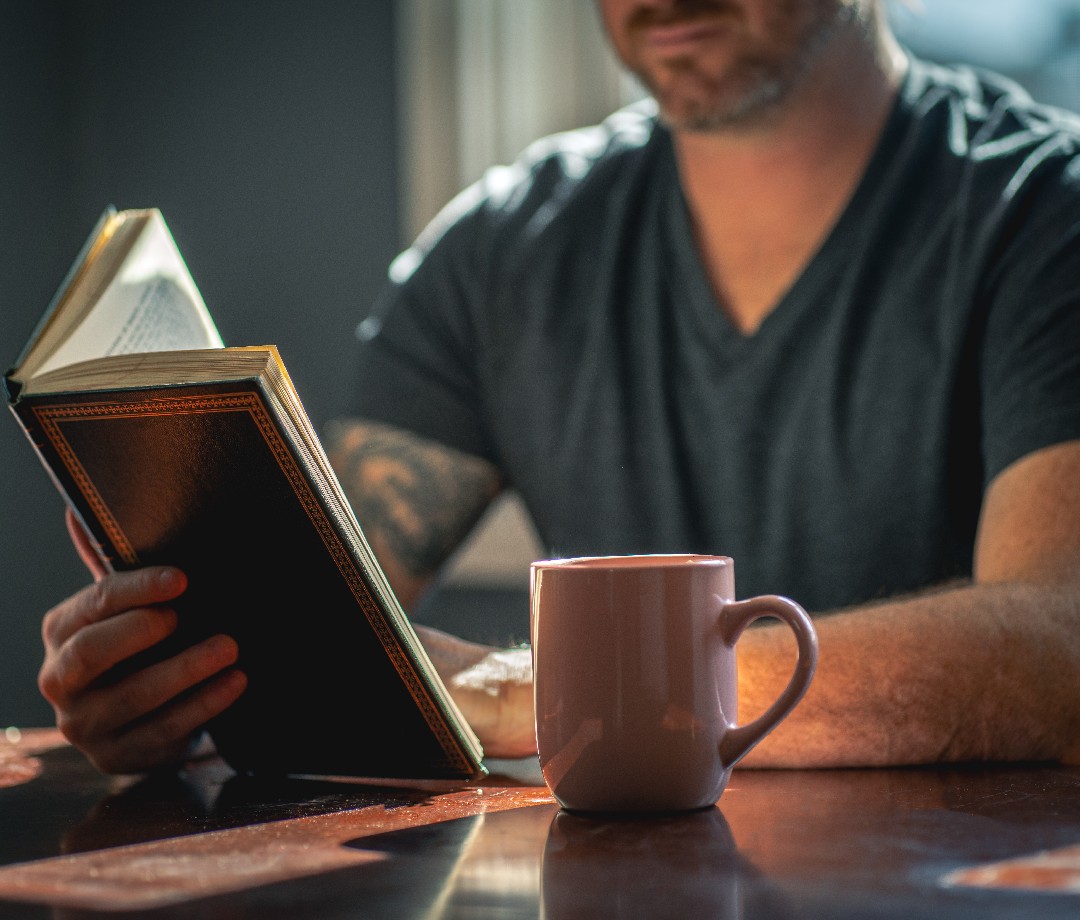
column 822, row 315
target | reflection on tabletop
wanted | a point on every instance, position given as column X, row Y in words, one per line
column 207, row 834
column 644, row 867
column 952, row 843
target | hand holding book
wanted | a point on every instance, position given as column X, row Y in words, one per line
column 154, row 717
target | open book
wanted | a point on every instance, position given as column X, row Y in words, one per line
column 173, row 449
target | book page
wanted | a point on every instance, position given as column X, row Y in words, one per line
column 151, row 305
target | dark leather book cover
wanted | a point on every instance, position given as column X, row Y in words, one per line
column 202, row 477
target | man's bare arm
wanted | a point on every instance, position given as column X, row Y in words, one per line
column 986, row 671
column 416, row 501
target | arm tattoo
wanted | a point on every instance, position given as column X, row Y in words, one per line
column 418, row 497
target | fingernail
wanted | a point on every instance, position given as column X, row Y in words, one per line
column 223, row 646
column 172, row 580
column 236, row 681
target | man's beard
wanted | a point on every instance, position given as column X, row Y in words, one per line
column 762, row 92
column 755, row 87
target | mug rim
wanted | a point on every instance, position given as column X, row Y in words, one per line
column 634, row 561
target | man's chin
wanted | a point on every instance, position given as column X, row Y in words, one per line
column 713, row 116
column 691, row 100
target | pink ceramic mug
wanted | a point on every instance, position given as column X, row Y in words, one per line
column 635, row 679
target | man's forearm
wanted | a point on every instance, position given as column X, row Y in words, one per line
column 987, row 672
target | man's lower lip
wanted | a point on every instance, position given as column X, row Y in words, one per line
column 679, row 34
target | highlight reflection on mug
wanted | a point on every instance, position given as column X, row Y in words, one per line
column 684, row 865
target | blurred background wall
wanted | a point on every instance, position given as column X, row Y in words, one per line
column 294, row 148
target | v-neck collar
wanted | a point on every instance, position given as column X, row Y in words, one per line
column 811, row 288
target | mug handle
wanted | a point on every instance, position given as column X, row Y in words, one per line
column 734, row 618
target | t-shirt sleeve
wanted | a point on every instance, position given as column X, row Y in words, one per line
column 1030, row 370
column 431, row 354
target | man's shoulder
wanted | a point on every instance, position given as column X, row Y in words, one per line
column 559, row 165
column 987, row 111
column 560, row 173
column 623, row 132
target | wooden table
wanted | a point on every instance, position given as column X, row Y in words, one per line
column 980, row 842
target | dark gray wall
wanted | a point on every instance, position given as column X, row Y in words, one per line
column 265, row 132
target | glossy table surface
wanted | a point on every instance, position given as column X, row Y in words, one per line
column 982, row 842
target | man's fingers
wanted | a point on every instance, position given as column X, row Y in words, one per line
column 160, row 705
column 164, row 737
column 116, row 593
column 108, row 710
column 72, row 667
column 147, row 718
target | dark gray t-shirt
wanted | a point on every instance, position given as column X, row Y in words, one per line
column 556, row 320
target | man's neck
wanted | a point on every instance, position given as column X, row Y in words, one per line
column 764, row 197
